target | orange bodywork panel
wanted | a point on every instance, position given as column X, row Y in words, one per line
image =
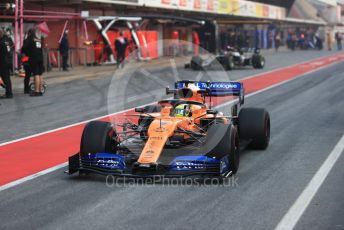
column 159, row 131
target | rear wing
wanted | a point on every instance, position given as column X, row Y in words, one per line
column 215, row 89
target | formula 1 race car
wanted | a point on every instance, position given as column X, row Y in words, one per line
column 177, row 137
column 229, row 59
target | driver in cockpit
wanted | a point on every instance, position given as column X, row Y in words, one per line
column 182, row 110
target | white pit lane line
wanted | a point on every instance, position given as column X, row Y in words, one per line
column 33, row 176
column 295, row 212
column 49, row 170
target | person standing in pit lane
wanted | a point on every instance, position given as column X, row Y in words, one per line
column 8, row 38
column 121, row 44
column 277, row 41
column 25, row 61
column 5, row 65
column 64, row 50
column 329, row 41
column 34, row 50
column 339, row 38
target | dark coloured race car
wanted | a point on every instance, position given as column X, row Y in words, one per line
column 229, row 59
column 183, row 136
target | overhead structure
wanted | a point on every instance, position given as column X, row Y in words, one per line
column 282, row 3
column 19, row 15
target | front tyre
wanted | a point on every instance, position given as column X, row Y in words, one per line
column 223, row 142
column 97, row 138
column 258, row 61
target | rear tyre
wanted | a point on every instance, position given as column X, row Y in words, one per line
column 230, row 63
column 258, row 61
column 97, row 138
column 223, row 140
column 196, row 63
column 254, row 125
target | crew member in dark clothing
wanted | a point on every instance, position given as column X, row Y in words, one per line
column 8, row 38
column 26, row 64
column 64, row 50
column 5, row 65
column 339, row 38
column 121, row 44
column 34, row 51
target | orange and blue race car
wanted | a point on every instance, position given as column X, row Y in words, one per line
column 182, row 136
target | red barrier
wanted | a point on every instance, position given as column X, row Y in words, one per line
column 148, row 41
column 142, row 40
column 152, row 40
column 196, row 42
column 98, row 52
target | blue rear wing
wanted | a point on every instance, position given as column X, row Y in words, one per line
column 215, row 89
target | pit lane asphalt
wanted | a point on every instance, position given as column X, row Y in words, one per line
column 307, row 121
column 74, row 101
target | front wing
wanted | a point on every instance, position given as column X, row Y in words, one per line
column 119, row 165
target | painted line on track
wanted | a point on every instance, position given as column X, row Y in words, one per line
column 50, row 149
column 295, row 212
column 33, row 176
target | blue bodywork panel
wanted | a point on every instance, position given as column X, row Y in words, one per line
column 215, row 88
column 112, row 162
column 188, row 163
column 104, row 160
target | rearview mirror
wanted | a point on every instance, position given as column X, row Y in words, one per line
column 170, row 91
column 185, row 93
column 213, row 112
column 139, row 110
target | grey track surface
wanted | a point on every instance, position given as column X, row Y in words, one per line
column 79, row 100
column 307, row 121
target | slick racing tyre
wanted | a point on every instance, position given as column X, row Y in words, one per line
column 254, row 125
column 196, row 63
column 258, row 61
column 97, row 138
column 229, row 63
column 223, row 140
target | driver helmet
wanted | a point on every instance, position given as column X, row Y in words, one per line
column 182, row 110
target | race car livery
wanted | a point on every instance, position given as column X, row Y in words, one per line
column 182, row 136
